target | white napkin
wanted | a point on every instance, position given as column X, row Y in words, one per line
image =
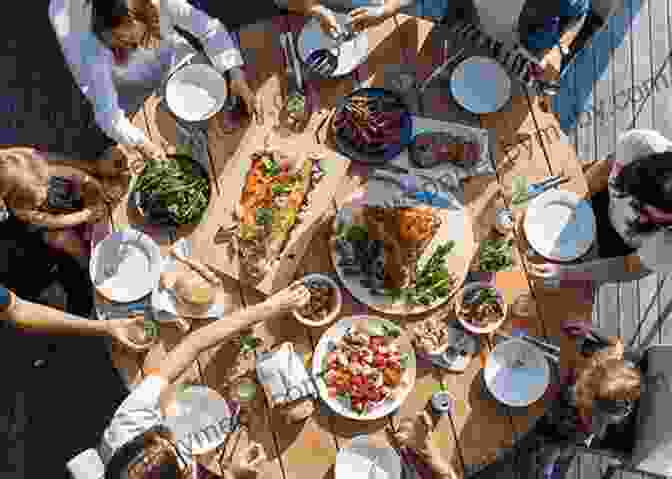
column 283, row 375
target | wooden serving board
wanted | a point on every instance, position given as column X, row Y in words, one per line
column 211, row 248
column 455, row 225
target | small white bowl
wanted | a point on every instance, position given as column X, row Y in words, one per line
column 196, row 92
column 336, row 308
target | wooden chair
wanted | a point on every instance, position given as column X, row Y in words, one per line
column 643, row 443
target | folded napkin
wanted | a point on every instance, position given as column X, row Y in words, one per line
column 283, row 375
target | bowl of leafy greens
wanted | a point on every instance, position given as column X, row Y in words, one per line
column 173, row 192
column 495, row 255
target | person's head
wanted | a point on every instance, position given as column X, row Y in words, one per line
column 151, row 455
column 126, row 24
column 612, row 386
column 648, row 180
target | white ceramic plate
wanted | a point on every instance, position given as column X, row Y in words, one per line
column 350, row 54
column 517, row 386
column 560, row 226
column 363, row 460
column 335, row 333
column 456, row 226
column 126, row 266
column 480, row 85
column 196, row 92
column 202, row 416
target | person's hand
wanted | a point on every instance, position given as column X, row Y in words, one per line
column 418, row 434
column 549, row 271
column 365, row 17
column 247, row 463
column 148, row 150
column 327, row 20
column 240, row 87
column 97, row 212
column 293, row 297
column 120, row 329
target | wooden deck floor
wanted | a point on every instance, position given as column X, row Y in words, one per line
column 608, row 84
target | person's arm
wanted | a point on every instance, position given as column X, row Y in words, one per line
column 44, row 319
column 89, row 166
column 186, row 352
column 213, row 35
column 91, row 67
column 597, row 176
column 60, row 221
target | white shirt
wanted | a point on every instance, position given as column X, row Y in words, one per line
column 93, row 65
column 139, row 412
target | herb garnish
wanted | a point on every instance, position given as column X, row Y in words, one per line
column 264, row 216
column 296, row 103
column 487, row 296
column 151, row 327
column 271, row 167
column 248, row 343
column 433, row 280
column 519, row 190
column 495, row 255
column 280, row 189
column 357, row 233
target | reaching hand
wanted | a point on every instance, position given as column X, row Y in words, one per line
column 293, row 297
column 239, row 87
column 365, row 17
column 248, row 462
column 121, row 330
column 546, row 270
column 416, row 433
column 327, row 20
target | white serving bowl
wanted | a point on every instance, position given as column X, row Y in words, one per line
column 196, row 92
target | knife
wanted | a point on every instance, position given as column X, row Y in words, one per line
column 116, row 311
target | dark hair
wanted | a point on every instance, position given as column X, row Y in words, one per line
column 158, row 461
column 109, row 14
column 648, row 180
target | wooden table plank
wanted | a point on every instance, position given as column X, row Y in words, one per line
column 584, row 69
column 660, row 51
column 604, row 94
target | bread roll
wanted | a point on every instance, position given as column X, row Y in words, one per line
column 193, row 290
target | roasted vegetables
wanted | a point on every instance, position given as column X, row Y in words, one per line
column 371, row 124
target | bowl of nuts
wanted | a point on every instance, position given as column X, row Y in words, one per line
column 325, row 301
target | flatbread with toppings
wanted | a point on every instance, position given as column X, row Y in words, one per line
column 274, row 193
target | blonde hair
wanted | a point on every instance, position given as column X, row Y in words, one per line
column 606, row 376
column 117, row 14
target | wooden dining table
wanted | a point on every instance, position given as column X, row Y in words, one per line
column 525, row 141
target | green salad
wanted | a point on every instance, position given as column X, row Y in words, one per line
column 174, row 188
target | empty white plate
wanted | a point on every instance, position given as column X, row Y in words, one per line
column 517, row 373
column 350, row 54
column 480, row 85
column 196, row 92
column 200, row 418
column 363, row 460
column 126, row 266
column 560, row 226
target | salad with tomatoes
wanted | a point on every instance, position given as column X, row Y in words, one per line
column 364, row 367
